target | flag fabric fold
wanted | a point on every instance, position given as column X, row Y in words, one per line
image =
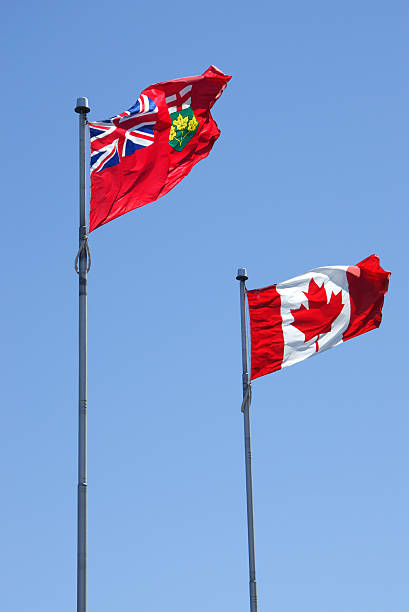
column 142, row 153
column 308, row 314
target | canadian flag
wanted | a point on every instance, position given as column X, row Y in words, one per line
column 305, row 315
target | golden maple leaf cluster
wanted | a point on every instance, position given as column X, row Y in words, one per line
column 182, row 126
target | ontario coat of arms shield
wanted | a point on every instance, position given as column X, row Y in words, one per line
column 184, row 126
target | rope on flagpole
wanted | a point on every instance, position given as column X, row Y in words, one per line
column 248, row 393
column 84, row 245
column 247, row 397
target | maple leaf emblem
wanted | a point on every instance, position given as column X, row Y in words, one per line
column 184, row 126
column 318, row 318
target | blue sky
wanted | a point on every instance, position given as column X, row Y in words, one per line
column 310, row 170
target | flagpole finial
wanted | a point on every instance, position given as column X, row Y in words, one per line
column 242, row 274
column 82, row 106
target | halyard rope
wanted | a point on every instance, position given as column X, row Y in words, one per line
column 247, row 396
column 84, row 245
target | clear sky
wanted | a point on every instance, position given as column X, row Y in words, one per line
column 310, row 170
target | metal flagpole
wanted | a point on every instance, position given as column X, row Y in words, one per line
column 82, row 265
column 242, row 277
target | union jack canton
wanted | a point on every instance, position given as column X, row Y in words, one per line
column 123, row 134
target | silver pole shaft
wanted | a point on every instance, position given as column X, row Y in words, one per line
column 82, row 108
column 242, row 277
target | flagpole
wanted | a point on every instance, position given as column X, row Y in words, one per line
column 242, row 277
column 82, row 263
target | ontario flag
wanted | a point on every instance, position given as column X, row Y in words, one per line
column 308, row 314
column 142, row 153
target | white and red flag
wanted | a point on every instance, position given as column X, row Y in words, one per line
column 305, row 315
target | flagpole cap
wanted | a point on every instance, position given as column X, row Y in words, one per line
column 82, row 106
column 242, row 274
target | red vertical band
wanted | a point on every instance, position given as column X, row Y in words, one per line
column 368, row 283
column 266, row 331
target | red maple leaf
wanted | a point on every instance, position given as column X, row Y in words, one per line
column 318, row 318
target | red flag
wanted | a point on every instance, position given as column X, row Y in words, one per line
column 141, row 154
column 305, row 315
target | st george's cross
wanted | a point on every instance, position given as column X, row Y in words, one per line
column 184, row 122
column 179, row 100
